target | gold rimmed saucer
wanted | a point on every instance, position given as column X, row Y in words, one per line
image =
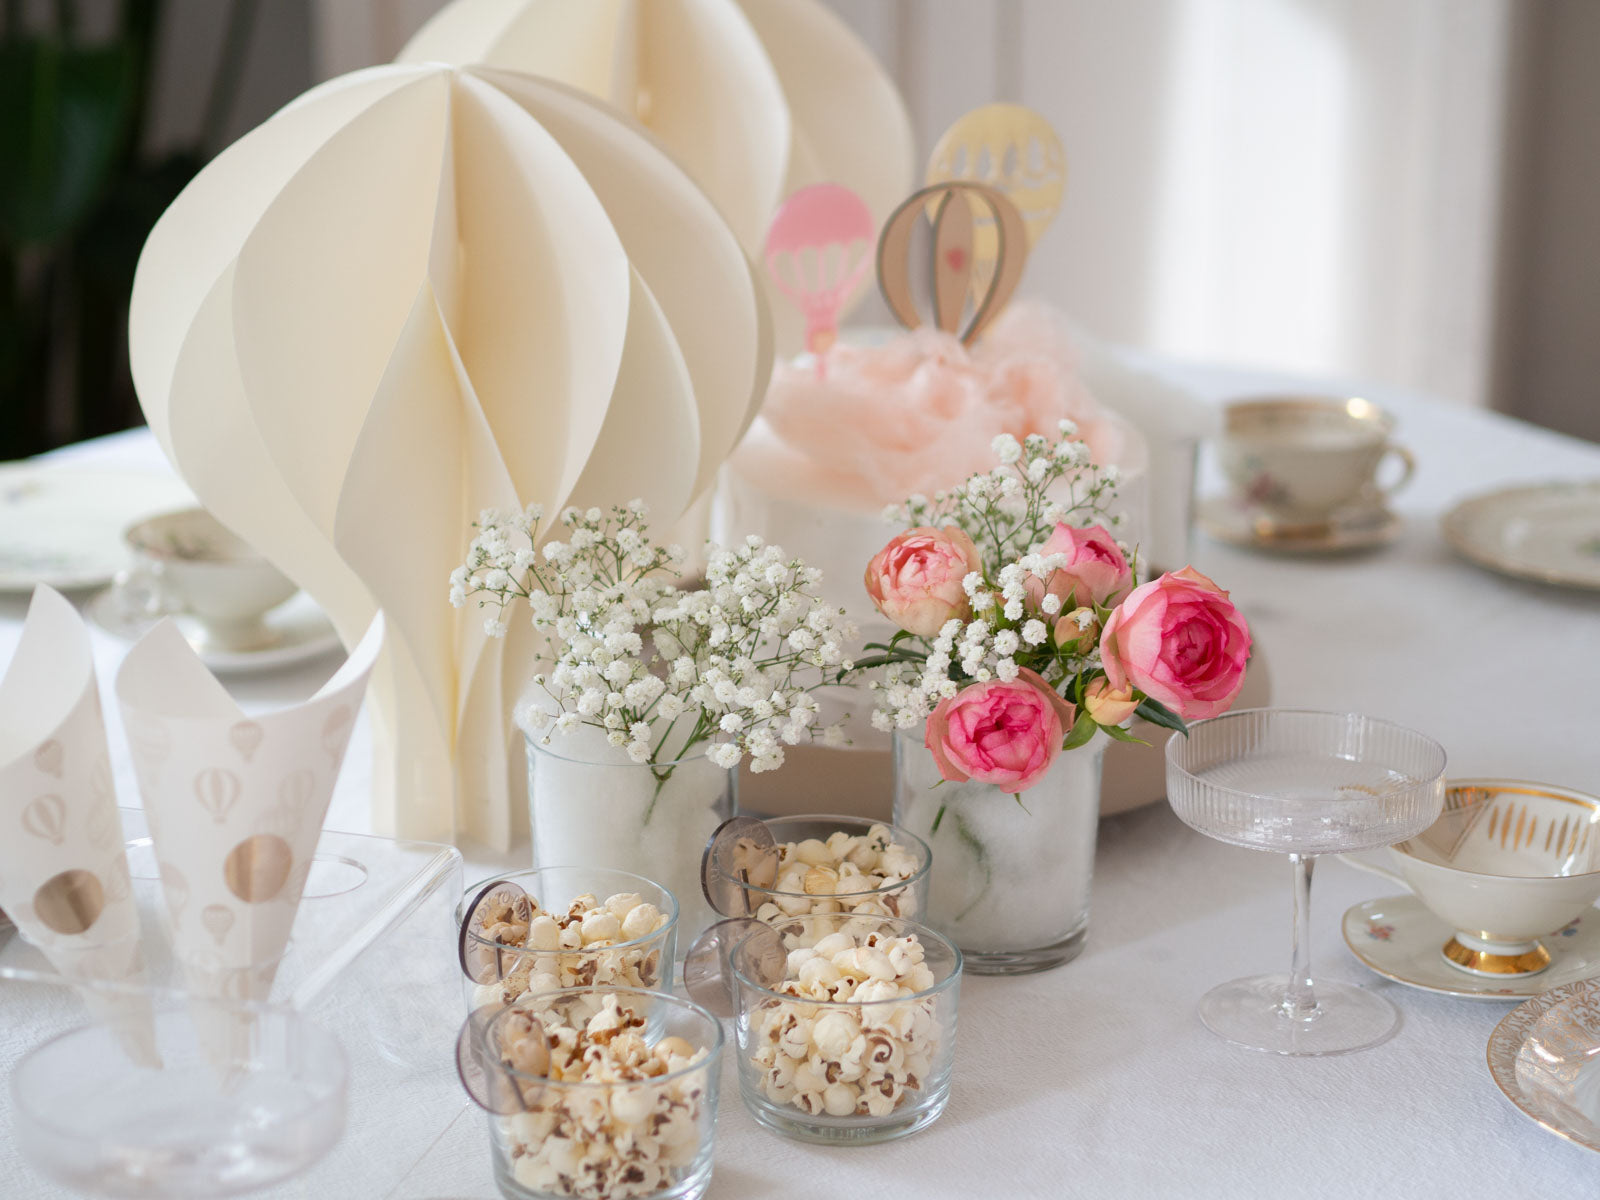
column 1544, row 1056
column 1225, row 519
column 1398, row 938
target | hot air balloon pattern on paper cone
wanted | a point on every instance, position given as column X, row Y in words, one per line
column 63, row 870
column 230, row 872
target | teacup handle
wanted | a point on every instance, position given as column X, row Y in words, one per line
column 142, row 593
column 1368, row 860
column 1408, row 468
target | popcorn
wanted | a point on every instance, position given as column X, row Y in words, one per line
column 634, row 1138
column 859, row 873
column 571, row 949
column 851, row 1051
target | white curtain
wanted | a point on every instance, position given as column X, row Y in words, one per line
column 1310, row 185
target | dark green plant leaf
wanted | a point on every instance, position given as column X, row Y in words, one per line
column 63, row 112
column 1118, row 733
column 1082, row 730
column 1159, row 714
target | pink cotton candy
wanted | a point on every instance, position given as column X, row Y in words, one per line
column 918, row 413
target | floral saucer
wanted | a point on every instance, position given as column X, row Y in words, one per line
column 1362, row 528
column 1400, row 939
column 1545, row 1057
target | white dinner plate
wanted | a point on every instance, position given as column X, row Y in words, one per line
column 1401, row 940
column 1545, row 1057
column 1549, row 532
column 61, row 524
column 300, row 630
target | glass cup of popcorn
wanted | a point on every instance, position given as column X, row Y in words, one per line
column 598, row 1092
column 564, row 927
column 846, row 1026
column 836, row 864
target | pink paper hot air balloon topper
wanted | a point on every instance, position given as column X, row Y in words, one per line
column 818, row 250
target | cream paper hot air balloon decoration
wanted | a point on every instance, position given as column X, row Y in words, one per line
column 756, row 98
column 416, row 293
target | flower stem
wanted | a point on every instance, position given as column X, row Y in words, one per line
column 964, row 832
column 661, row 782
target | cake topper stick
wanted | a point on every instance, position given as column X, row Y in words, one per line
column 1014, row 150
column 830, row 226
column 954, row 209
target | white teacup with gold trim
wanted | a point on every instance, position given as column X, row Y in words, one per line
column 1300, row 460
column 1507, row 863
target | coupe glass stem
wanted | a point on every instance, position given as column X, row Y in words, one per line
column 1299, row 1000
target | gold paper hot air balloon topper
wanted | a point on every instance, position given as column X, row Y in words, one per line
column 1014, row 150
column 953, row 210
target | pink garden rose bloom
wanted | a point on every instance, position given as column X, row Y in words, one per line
column 1006, row 734
column 1096, row 571
column 916, row 579
column 1180, row 640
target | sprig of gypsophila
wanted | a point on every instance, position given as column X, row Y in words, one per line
column 1014, row 507
column 1009, row 513
column 659, row 668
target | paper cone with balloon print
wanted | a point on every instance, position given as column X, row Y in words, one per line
column 756, row 98
column 63, row 868
column 416, row 293
column 235, row 803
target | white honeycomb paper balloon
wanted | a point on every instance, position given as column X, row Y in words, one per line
column 755, row 98
column 415, row 293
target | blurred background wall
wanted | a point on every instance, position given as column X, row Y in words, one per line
column 1395, row 190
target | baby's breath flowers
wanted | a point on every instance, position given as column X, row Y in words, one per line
column 659, row 667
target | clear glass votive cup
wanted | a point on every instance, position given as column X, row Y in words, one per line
column 843, row 1072
column 622, row 1141
column 512, row 971
column 907, row 898
column 180, row 1097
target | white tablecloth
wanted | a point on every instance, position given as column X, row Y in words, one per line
column 1097, row 1079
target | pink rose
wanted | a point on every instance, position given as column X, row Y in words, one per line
column 1006, row 734
column 1181, row 641
column 1095, row 572
column 916, row 579
column 1107, row 705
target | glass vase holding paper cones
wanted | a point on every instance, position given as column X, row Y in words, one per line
column 654, row 693
column 1023, row 635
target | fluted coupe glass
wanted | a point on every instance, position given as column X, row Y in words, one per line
column 1303, row 784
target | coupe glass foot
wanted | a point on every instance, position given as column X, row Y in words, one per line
column 1250, row 1013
